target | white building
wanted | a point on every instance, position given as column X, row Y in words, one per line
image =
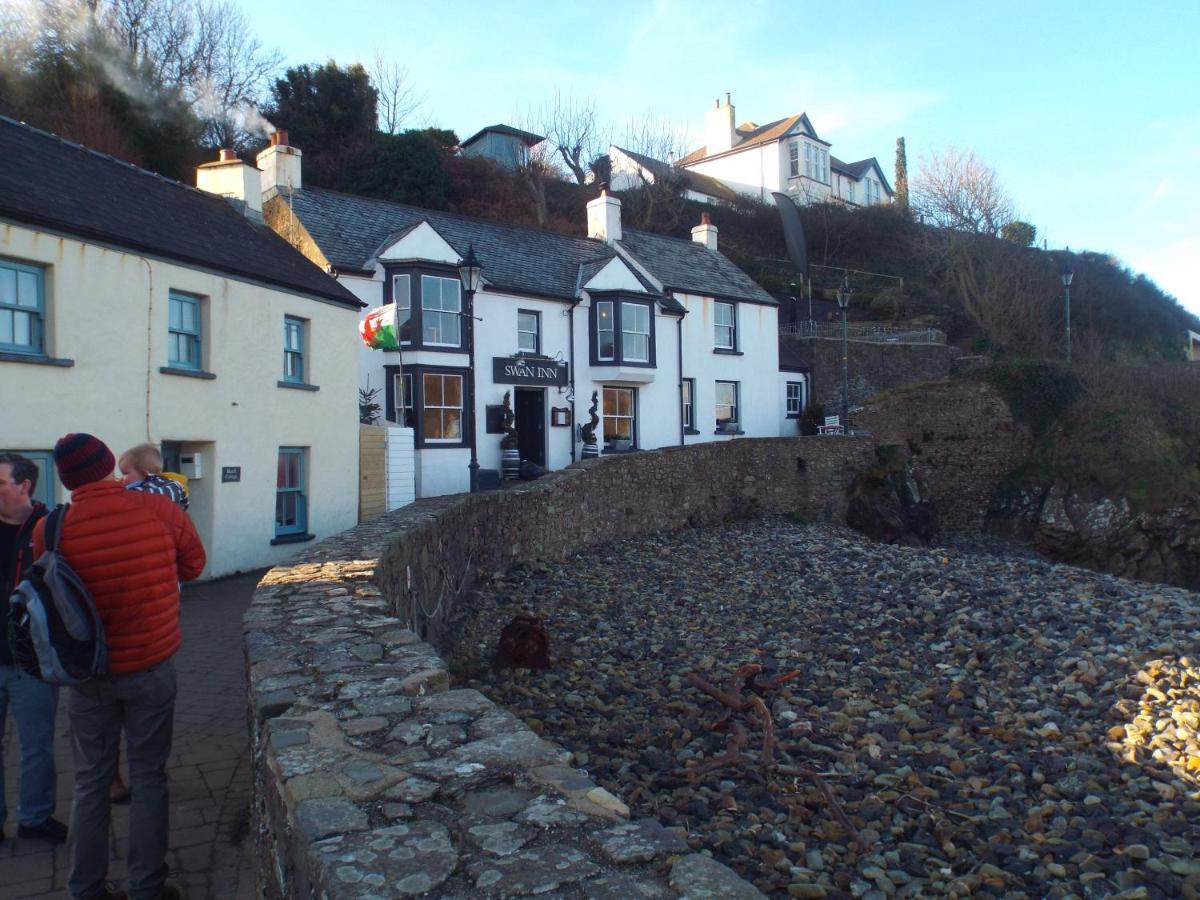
column 140, row 309
column 677, row 344
column 787, row 156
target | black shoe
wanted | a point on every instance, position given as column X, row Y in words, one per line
column 49, row 829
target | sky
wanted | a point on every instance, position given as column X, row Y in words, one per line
column 1089, row 112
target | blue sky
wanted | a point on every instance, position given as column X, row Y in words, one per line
column 1089, row 112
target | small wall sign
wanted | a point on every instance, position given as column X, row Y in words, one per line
column 560, row 415
column 231, row 473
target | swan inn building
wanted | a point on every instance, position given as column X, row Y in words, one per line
column 675, row 343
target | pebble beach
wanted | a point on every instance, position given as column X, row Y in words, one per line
column 991, row 724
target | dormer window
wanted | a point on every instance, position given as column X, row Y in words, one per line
column 428, row 301
column 623, row 332
column 402, row 297
column 440, row 308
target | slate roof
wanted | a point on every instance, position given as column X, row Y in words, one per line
column 690, row 267
column 527, row 136
column 351, row 230
column 751, row 135
column 857, row 170
column 703, row 184
column 49, row 182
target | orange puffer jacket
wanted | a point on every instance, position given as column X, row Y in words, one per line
column 131, row 550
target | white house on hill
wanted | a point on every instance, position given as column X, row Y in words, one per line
column 786, row 155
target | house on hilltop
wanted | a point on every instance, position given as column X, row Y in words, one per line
column 676, row 343
column 140, row 309
column 504, row 145
column 630, row 170
column 786, row 155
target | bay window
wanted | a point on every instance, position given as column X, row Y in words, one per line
column 622, row 332
column 441, row 304
column 620, row 431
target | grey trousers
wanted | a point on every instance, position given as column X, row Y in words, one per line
column 143, row 704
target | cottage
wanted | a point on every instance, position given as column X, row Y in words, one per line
column 504, row 145
column 140, row 309
column 676, row 343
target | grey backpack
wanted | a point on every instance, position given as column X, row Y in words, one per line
column 55, row 632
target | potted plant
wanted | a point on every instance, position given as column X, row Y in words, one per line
column 587, row 432
column 510, row 455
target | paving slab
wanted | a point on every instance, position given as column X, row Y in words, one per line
column 208, row 772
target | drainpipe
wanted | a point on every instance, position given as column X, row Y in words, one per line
column 571, row 363
column 679, row 347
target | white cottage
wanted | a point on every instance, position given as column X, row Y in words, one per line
column 140, row 309
column 676, row 343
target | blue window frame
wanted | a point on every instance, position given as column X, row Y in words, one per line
column 184, row 332
column 293, row 350
column 22, row 308
column 291, row 505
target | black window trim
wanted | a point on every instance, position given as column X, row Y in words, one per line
column 786, row 399
column 617, row 298
column 689, row 427
column 418, row 426
column 735, row 349
column 415, row 327
column 634, row 427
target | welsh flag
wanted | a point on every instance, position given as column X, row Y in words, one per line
column 378, row 329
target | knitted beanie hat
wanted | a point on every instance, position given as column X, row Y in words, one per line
column 82, row 459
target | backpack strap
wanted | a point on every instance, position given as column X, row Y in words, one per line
column 54, row 526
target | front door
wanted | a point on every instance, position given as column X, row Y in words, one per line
column 530, row 415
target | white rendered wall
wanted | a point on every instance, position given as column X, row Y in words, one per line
column 756, row 370
column 107, row 310
column 789, row 427
column 754, row 171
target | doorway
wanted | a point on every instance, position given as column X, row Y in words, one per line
column 530, row 421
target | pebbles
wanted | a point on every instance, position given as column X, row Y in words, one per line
column 992, row 724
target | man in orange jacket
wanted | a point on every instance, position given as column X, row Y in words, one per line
column 131, row 550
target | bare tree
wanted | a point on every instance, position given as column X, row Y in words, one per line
column 657, row 201
column 398, row 99
column 571, row 125
column 956, row 189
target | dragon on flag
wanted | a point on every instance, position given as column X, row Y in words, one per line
column 378, row 328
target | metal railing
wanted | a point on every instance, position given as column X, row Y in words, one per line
column 875, row 334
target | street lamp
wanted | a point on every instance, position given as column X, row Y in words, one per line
column 470, row 273
column 1067, row 277
column 843, row 301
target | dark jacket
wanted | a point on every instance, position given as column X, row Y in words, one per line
column 12, row 566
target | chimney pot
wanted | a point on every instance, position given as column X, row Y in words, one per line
column 279, row 137
column 704, row 219
column 227, row 155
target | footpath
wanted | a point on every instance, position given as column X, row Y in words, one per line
column 210, row 852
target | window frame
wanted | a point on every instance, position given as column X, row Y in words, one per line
column 632, row 417
column 735, row 407
column 793, row 159
column 537, row 331
column 194, row 338
column 617, row 304
column 462, row 407
column 402, row 322
column 733, row 327
column 418, row 399
column 37, row 314
column 404, row 410
column 687, row 409
column 300, row 527
column 799, row 385
column 411, row 330
column 294, row 325
column 455, row 314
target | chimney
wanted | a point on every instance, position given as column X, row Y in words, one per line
column 604, row 217
column 280, row 165
column 718, row 128
column 705, row 233
column 238, row 181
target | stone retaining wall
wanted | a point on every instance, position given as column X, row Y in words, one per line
column 373, row 778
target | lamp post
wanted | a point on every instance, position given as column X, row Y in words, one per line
column 470, row 273
column 1067, row 277
column 843, row 301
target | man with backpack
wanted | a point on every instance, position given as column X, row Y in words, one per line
column 131, row 550
column 33, row 702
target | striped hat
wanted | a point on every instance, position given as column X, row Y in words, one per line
column 82, row 459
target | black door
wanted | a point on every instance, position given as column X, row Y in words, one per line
column 530, row 415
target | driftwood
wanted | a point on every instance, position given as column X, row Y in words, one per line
column 754, row 710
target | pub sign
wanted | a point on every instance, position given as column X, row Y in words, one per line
column 526, row 370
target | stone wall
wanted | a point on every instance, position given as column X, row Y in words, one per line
column 373, row 778
column 872, row 367
column 960, row 438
